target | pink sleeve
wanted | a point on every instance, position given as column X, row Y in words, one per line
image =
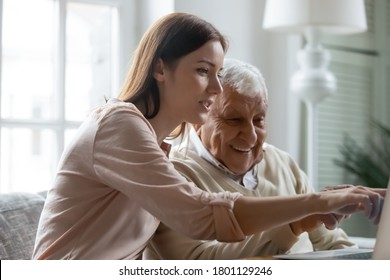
column 128, row 158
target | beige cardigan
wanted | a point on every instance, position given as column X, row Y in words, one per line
column 277, row 174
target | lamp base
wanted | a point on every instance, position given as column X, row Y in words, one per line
column 313, row 81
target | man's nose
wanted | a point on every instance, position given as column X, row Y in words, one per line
column 249, row 132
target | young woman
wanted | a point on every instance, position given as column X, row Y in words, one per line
column 115, row 182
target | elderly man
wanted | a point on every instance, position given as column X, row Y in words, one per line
column 229, row 153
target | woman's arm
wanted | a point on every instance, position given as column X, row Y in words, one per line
column 258, row 214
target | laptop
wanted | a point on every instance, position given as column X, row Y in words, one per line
column 381, row 249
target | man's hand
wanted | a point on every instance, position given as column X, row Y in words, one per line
column 312, row 222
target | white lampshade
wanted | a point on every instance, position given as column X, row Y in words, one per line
column 330, row 16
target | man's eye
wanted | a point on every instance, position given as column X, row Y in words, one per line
column 259, row 121
column 233, row 120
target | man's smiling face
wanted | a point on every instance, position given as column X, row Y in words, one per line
column 235, row 129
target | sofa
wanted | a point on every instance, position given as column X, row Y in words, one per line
column 19, row 216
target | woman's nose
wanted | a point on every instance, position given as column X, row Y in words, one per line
column 215, row 86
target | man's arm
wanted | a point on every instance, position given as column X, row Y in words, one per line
column 168, row 244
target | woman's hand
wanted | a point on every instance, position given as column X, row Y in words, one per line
column 380, row 191
column 355, row 199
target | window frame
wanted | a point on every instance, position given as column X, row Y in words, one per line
column 59, row 125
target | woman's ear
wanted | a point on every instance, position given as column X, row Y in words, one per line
column 158, row 70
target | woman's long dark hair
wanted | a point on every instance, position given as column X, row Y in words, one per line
column 170, row 38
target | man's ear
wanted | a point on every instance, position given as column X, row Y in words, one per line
column 158, row 70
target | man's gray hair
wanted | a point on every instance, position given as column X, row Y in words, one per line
column 243, row 77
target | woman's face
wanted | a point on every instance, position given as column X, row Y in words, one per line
column 188, row 89
column 235, row 130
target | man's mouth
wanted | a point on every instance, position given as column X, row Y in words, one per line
column 241, row 149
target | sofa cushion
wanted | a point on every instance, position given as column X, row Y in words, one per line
column 19, row 217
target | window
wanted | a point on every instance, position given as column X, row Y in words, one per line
column 349, row 111
column 59, row 59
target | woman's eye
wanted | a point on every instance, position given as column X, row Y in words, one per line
column 203, row 70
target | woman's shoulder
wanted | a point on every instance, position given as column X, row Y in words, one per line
column 119, row 111
column 118, row 117
column 116, row 106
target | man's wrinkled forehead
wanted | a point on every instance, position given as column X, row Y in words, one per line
column 231, row 98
